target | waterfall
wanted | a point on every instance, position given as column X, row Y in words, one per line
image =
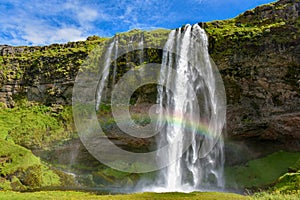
column 116, row 46
column 191, row 108
column 141, row 48
column 111, row 60
column 105, row 73
column 192, row 119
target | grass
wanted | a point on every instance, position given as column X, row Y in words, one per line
column 82, row 195
column 275, row 196
column 69, row 195
column 21, row 170
column 13, row 157
column 288, row 183
column 35, row 126
column 261, row 172
column 295, row 167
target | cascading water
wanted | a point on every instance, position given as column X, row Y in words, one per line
column 141, row 47
column 191, row 104
column 105, row 73
column 116, row 46
column 111, row 59
column 197, row 120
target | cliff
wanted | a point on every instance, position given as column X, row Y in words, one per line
column 257, row 54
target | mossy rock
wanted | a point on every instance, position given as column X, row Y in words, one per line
column 295, row 167
column 36, row 126
column 14, row 157
column 288, row 183
column 21, row 170
column 260, row 172
column 65, row 179
column 17, row 185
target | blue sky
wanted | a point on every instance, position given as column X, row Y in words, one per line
column 36, row 22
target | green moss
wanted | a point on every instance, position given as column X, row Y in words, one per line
column 104, row 108
column 57, row 61
column 37, row 176
column 114, row 173
column 21, row 170
column 64, row 179
column 295, row 167
column 16, row 184
column 1, row 61
column 5, row 184
column 36, row 126
column 261, row 172
column 288, row 183
column 245, row 34
column 156, row 37
column 14, row 157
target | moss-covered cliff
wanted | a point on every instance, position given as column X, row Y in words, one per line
column 43, row 74
column 257, row 53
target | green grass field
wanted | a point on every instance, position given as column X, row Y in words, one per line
column 69, row 195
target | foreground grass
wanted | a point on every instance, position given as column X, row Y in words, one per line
column 275, row 196
column 69, row 195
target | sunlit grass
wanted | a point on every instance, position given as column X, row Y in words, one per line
column 68, row 195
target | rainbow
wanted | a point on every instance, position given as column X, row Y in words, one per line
column 178, row 120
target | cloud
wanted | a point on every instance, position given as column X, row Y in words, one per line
column 35, row 22
column 43, row 22
column 142, row 14
column 83, row 12
column 36, row 35
column 71, row 34
column 87, row 14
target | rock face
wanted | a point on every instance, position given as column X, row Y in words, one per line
column 258, row 55
column 44, row 74
column 262, row 74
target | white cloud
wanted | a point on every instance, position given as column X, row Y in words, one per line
column 68, row 34
column 36, row 35
column 87, row 14
column 143, row 14
column 37, row 22
column 84, row 13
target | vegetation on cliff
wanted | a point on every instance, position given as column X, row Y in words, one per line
column 262, row 172
column 20, row 170
column 257, row 54
column 36, row 126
